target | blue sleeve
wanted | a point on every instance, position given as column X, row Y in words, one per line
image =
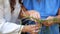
column 28, row 4
column 59, row 3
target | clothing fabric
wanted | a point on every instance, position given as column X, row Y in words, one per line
column 45, row 8
column 7, row 22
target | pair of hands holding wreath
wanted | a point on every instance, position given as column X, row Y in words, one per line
column 35, row 16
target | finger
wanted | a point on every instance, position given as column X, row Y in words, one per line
column 51, row 24
column 50, row 17
column 36, row 28
column 38, row 16
column 34, row 14
column 33, row 33
column 36, row 31
column 33, row 26
column 45, row 23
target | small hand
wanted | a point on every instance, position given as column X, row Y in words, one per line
column 34, row 14
column 30, row 13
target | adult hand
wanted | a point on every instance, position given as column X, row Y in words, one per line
column 49, row 22
column 36, row 32
column 30, row 28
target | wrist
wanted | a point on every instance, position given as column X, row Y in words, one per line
column 56, row 20
column 24, row 29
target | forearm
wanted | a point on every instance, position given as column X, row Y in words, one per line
column 54, row 19
column 11, row 28
column 58, row 16
column 8, row 27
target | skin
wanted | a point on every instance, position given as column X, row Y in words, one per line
column 30, row 28
column 51, row 17
column 33, row 13
column 26, row 28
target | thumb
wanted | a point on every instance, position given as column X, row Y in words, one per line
column 50, row 17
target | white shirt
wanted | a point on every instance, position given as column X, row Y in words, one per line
column 6, row 18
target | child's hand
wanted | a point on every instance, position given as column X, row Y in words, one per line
column 34, row 14
column 31, row 13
